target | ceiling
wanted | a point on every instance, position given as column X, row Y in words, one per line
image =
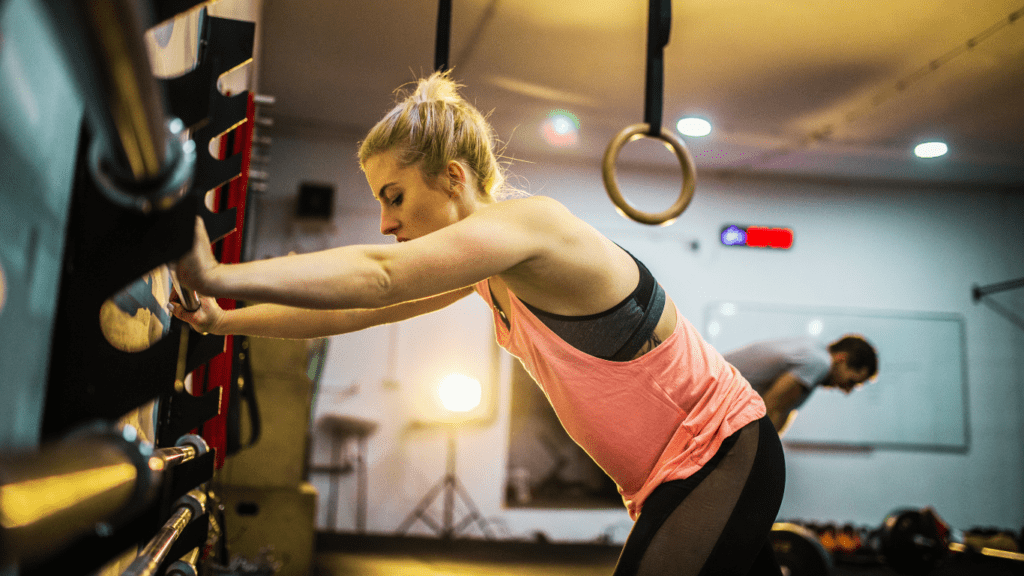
column 808, row 88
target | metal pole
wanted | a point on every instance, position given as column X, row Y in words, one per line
column 156, row 550
column 361, row 486
column 332, row 490
column 449, row 487
column 980, row 291
column 189, row 507
column 186, row 448
column 168, row 457
column 138, row 158
column 84, row 483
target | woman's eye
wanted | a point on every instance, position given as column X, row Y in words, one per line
column 396, row 200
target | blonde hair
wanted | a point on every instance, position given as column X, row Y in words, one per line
column 433, row 126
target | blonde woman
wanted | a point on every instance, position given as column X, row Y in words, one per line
column 682, row 434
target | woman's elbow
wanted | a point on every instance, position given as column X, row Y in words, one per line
column 378, row 290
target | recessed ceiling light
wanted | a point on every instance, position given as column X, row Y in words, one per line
column 561, row 128
column 931, row 149
column 693, row 127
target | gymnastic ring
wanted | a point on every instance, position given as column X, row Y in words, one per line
column 635, row 132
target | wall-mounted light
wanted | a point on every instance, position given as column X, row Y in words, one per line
column 459, row 393
column 757, row 236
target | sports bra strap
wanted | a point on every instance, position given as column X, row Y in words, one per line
column 645, row 328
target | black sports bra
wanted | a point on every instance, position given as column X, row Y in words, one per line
column 617, row 333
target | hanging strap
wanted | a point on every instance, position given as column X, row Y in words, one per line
column 659, row 26
column 444, row 33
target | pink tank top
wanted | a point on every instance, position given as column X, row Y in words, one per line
column 656, row 418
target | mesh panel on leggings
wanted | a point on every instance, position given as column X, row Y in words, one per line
column 721, row 524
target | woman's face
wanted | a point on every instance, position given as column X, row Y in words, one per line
column 410, row 206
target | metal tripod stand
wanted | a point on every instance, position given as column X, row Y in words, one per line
column 451, row 488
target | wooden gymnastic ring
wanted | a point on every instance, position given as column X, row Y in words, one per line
column 629, row 134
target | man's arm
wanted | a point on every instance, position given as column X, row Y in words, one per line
column 781, row 399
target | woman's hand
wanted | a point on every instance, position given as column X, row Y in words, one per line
column 203, row 320
column 195, row 269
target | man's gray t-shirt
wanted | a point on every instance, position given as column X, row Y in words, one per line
column 761, row 363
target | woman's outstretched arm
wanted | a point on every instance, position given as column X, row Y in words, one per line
column 488, row 242
column 280, row 321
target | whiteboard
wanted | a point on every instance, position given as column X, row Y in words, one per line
column 918, row 400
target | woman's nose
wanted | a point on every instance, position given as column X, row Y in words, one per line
column 388, row 224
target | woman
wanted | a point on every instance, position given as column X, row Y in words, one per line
column 683, row 435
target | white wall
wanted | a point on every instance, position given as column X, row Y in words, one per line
column 877, row 248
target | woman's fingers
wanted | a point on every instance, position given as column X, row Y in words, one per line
column 193, row 267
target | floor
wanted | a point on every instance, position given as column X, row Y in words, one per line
column 351, row 555
column 368, row 565
column 369, row 556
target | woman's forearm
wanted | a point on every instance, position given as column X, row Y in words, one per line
column 346, row 277
column 280, row 321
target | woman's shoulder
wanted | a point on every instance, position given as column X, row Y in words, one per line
column 531, row 208
column 532, row 200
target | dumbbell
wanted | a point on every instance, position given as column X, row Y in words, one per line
column 914, row 542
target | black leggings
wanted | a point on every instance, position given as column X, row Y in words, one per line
column 716, row 521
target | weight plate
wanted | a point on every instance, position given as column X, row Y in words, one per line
column 798, row 551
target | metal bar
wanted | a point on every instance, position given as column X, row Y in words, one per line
column 188, row 507
column 332, row 491
column 361, row 485
column 156, row 550
column 189, row 299
column 168, row 457
column 69, row 489
column 980, row 291
column 138, row 157
column 104, row 43
column 449, row 486
column 264, row 100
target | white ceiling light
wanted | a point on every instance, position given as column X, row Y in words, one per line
column 693, row 127
column 931, row 149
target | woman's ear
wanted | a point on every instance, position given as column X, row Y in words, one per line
column 456, row 176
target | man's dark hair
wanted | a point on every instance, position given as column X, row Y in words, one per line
column 859, row 352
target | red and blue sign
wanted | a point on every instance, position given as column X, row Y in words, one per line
column 757, row 237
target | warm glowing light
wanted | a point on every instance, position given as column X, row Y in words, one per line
column 931, row 150
column 459, row 393
column 561, row 128
column 693, row 127
column 27, row 502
